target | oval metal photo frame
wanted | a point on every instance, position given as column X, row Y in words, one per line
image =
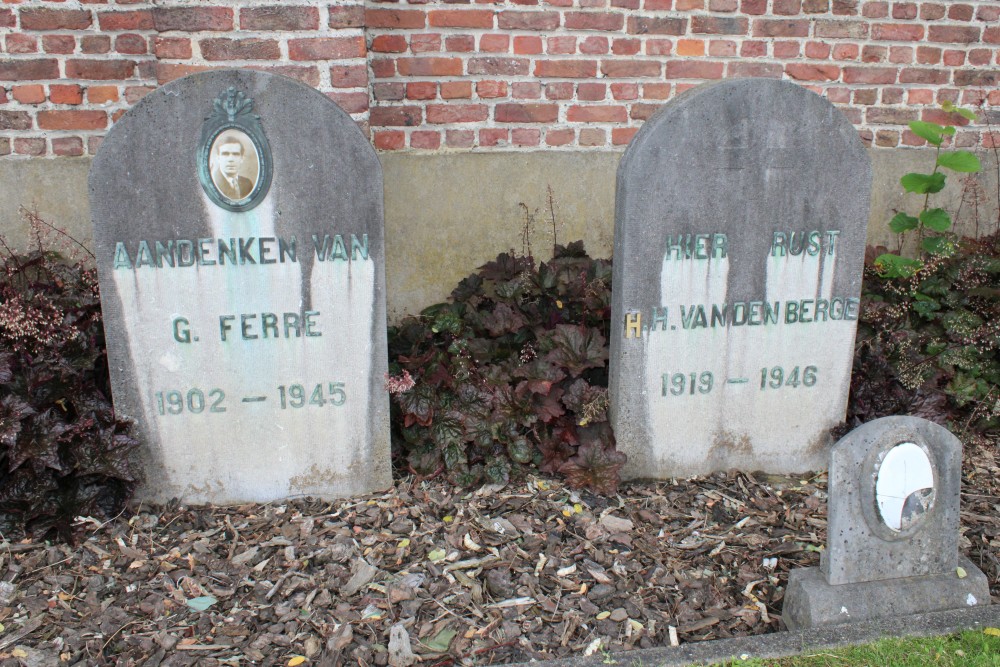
column 232, row 110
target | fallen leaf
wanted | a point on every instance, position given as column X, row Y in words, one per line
column 960, row 571
column 201, row 603
column 992, row 632
column 436, row 555
column 296, row 660
column 441, row 641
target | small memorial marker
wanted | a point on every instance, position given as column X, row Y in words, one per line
column 740, row 229
column 239, row 233
column 892, row 545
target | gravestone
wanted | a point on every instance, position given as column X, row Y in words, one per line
column 239, row 234
column 893, row 520
column 740, row 225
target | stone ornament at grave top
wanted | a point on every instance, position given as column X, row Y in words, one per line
column 740, row 230
column 239, row 232
column 892, row 530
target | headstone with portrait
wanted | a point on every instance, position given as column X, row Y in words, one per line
column 740, row 229
column 239, row 233
column 892, row 530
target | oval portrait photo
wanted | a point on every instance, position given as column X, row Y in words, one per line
column 235, row 165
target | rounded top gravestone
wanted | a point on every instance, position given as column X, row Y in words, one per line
column 239, row 232
column 740, row 226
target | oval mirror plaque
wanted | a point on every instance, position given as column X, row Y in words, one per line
column 904, row 487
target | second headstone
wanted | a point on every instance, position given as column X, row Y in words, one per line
column 740, row 226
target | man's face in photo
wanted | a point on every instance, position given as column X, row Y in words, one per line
column 230, row 158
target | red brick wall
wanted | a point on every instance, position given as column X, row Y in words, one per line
column 433, row 75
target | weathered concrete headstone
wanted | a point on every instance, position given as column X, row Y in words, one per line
column 239, row 233
column 739, row 241
column 892, row 544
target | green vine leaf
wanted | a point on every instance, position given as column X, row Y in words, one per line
column 894, row 266
column 901, row 222
column 960, row 161
column 936, row 219
column 931, row 132
column 938, row 245
column 923, row 183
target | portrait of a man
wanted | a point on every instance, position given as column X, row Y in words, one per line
column 235, row 165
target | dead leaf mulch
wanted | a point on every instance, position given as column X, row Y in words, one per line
column 431, row 574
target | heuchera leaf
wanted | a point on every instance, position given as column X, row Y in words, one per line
column 923, row 183
column 597, row 465
column 960, row 161
column 902, row 222
column 936, row 219
column 503, row 319
column 577, row 348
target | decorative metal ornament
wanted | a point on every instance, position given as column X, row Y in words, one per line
column 234, row 158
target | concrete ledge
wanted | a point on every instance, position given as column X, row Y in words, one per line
column 784, row 644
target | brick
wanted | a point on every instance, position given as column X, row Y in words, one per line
column 61, row 44
column 625, row 4
column 566, row 69
column 980, row 57
column 561, row 45
column 326, row 48
column 29, row 94
column 786, row 50
column 460, row 138
column 596, row 114
column 953, row 34
column 19, row 43
column 390, row 141
column 512, row 20
column 803, row 72
column 845, row 7
column 389, row 91
column 988, row 14
column 407, row 116
column 101, row 94
column 941, row 118
column 923, row 75
column 875, row 9
column 656, row 91
column 607, row 21
column 131, row 44
column 424, row 43
column 72, row 120
column 347, row 16
column 723, row 5
column 99, row 69
column 351, row 102
column 780, row 28
column 592, row 136
column 167, row 72
column 764, row 70
column 456, row 113
column 497, row 66
column 453, row 90
column 928, row 55
column 904, row 10
column 843, row 29
column 620, row 69
column 460, row 18
column 882, row 116
column 491, row 89
column 887, row 138
column 559, row 137
column 722, row 48
column 421, row 90
column 865, row 96
column 94, row 44
column 177, row 48
column 643, row 111
column 960, row 12
column 870, row 75
column 786, row 7
column 594, row 45
column 892, row 95
column 625, row 91
column 620, row 136
column 494, row 136
column 626, row 47
column 494, row 43
column 715, row 25
column 658, row 5
column 659, row 47
column 14, row 120
column 817, row 50
column 689, row 5
column 132, row 93
column 279, row 18
column 953, row 58
column 349, row 76
column 55, row 19
column 433, row 66
column 977, row 78
column 898, row 32
column 394, row 18
column 644, row 25
column 846, row 51
column 389, row 44
column 140, row 19
column 425, row 139
column 874, row 54
column 753, row 7
column 681, row 69
column 562, row 90
column 461, row 43
column 901, row 55
column 526, row 90
column 591, row 92
column 33, row 146
column 526, row 113
column 67, row 146
column 527, row 45
column 522, row 136
column 193, row 19
column 21, row 70
column 240, row 49
column 62, row 93
column 7, row 19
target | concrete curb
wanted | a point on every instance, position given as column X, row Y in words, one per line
column 789, row 643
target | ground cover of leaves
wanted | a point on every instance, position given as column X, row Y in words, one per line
column 434, row 575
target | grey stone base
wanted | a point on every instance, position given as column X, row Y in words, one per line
column 810, row 601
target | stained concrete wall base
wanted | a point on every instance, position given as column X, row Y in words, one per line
column 789, row 643
column 810, row 601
